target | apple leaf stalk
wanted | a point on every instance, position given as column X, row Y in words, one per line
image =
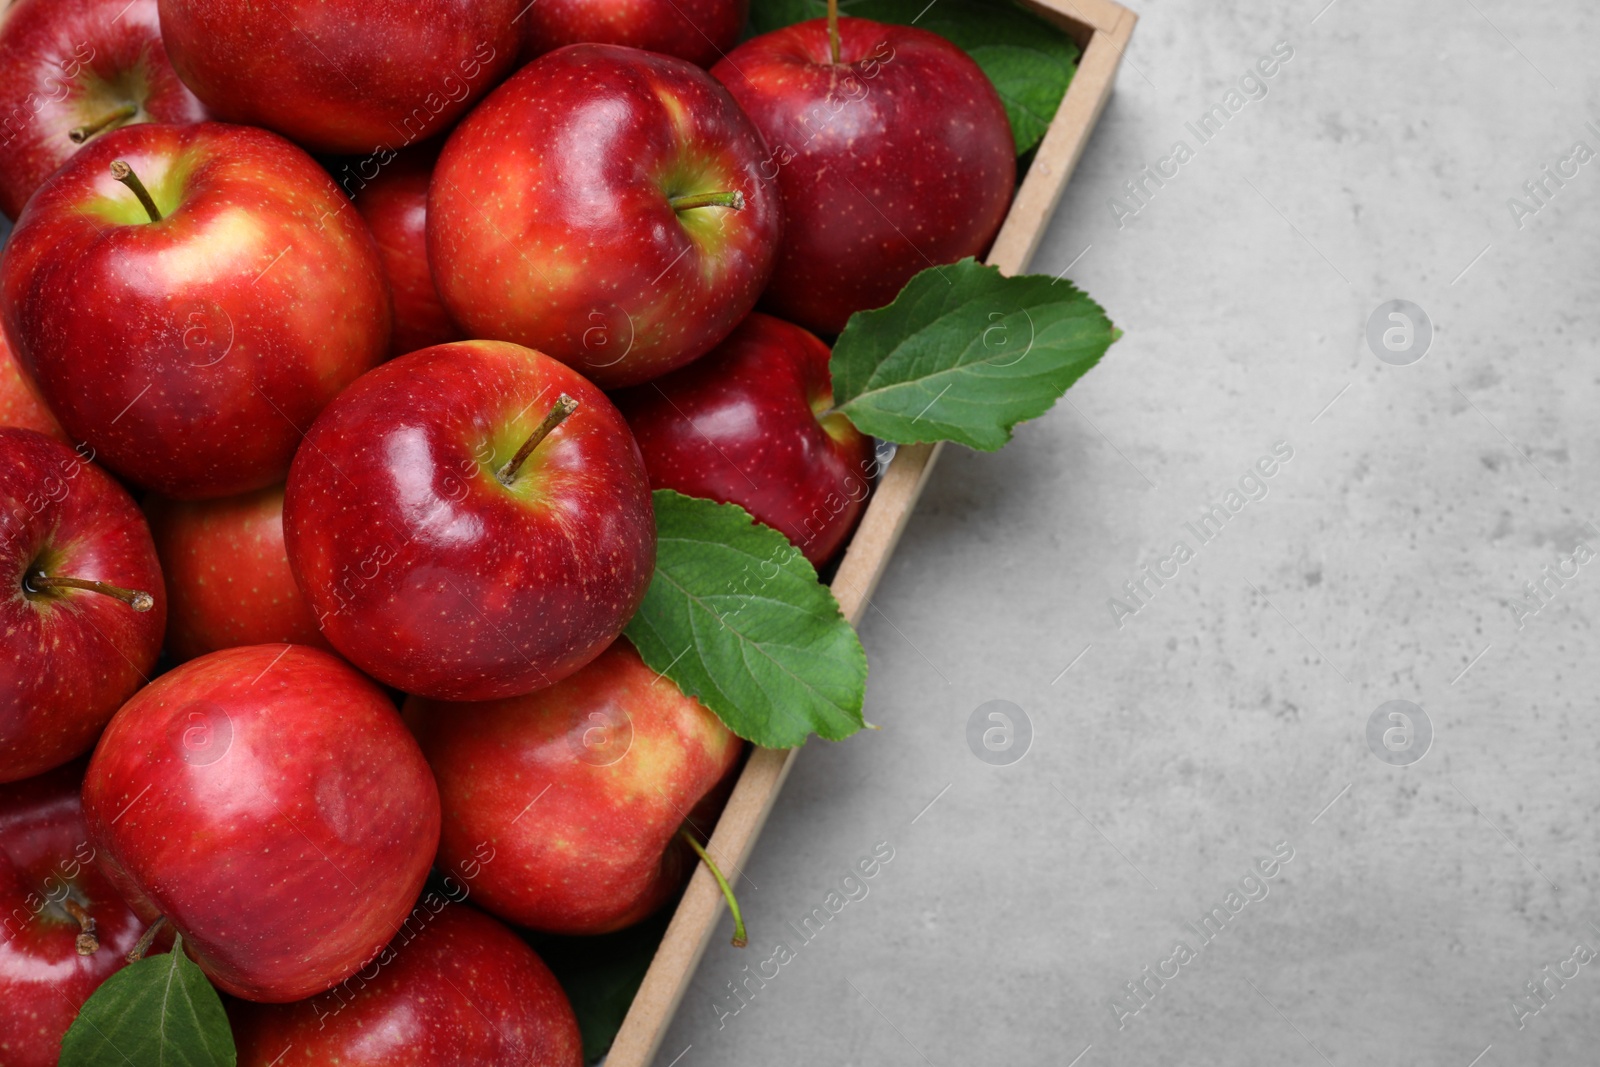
column 146, row 939
column 563, row 407
column 733, row 200
column 124, row 174
column 740, row 940
column 87, row 944
column 80, row 134
column 137, row 599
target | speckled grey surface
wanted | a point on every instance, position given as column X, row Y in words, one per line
column 1229, row 713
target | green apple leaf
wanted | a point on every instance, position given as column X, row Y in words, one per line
column 964, row 354
column 158, row 1012
column 1029, row 61
column 735, row 615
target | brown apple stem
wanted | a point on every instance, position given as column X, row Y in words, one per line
column 80, row 134
column 833, row 30
column 124, row 174
column 136, row 599
column 147, row 939
column 739, row 938
column 564, row 406
column 734, row 200
column 88, row 944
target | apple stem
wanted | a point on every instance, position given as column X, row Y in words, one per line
column 136, row 599
column 564, row 406
column 739, row 938
column 124, row 174
column 147, row 939
column 734, row 200
column 80, row 134
column 88, row 944
column 833, row 30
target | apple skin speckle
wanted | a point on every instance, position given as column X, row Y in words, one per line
column 741, row 426
column 454, row 986
column 428, row 573
column 68, row 659
column 897, row 159
column 580, row 790
column 401, row 71
column 209, row 799
column 550, row 222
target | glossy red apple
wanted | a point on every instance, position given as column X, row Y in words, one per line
column 228, row 577
column 71, row 70
column 193, row 352
column 83, row 607
column 604, row 207
column 751, row 424
column 701, row 31
column 268, row 802
column 395, row 205
column 471, row 521
column 63, row 928
column 580, row 789
column 454, row 987
column 342, row 75
column 20, row 403
column 894, row 155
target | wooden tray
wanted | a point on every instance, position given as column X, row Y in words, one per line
column 1102, row 28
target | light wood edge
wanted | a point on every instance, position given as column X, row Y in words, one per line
column 689, row 934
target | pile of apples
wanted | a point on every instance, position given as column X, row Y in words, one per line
column 347, row 340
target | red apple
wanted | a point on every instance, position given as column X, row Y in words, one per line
column 20, row 403
column 192, row 352
column 83, row 611
column 701, row 31
column 395, row 205
column 604, row 206
column 342, row 75
column 471, row 521
column 267, row 802
column 751, row 424
column 63, row 928
column 580, row 789
column 71, row 70
column 894, row 154
column 228, row 577
column 454, row 987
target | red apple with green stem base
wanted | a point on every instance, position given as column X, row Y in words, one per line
column 71, row 70
column 187, row 298
column 395, row 205
column 604, row 206
column 268, row 803
column 582, row 790
column 751, row 423
column 701, row 31
column 20, row 403
column 893, row 152
column 342, row 75
column 228, row 577
column 82, row 610
column 471, row 521
column 63, row 927
column 454, row 987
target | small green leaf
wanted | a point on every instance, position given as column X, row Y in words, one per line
column 158, row 1012
column 964, row 354
column 1029, row 61
column 735, row 615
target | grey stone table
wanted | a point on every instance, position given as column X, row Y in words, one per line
column 1201, row 769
